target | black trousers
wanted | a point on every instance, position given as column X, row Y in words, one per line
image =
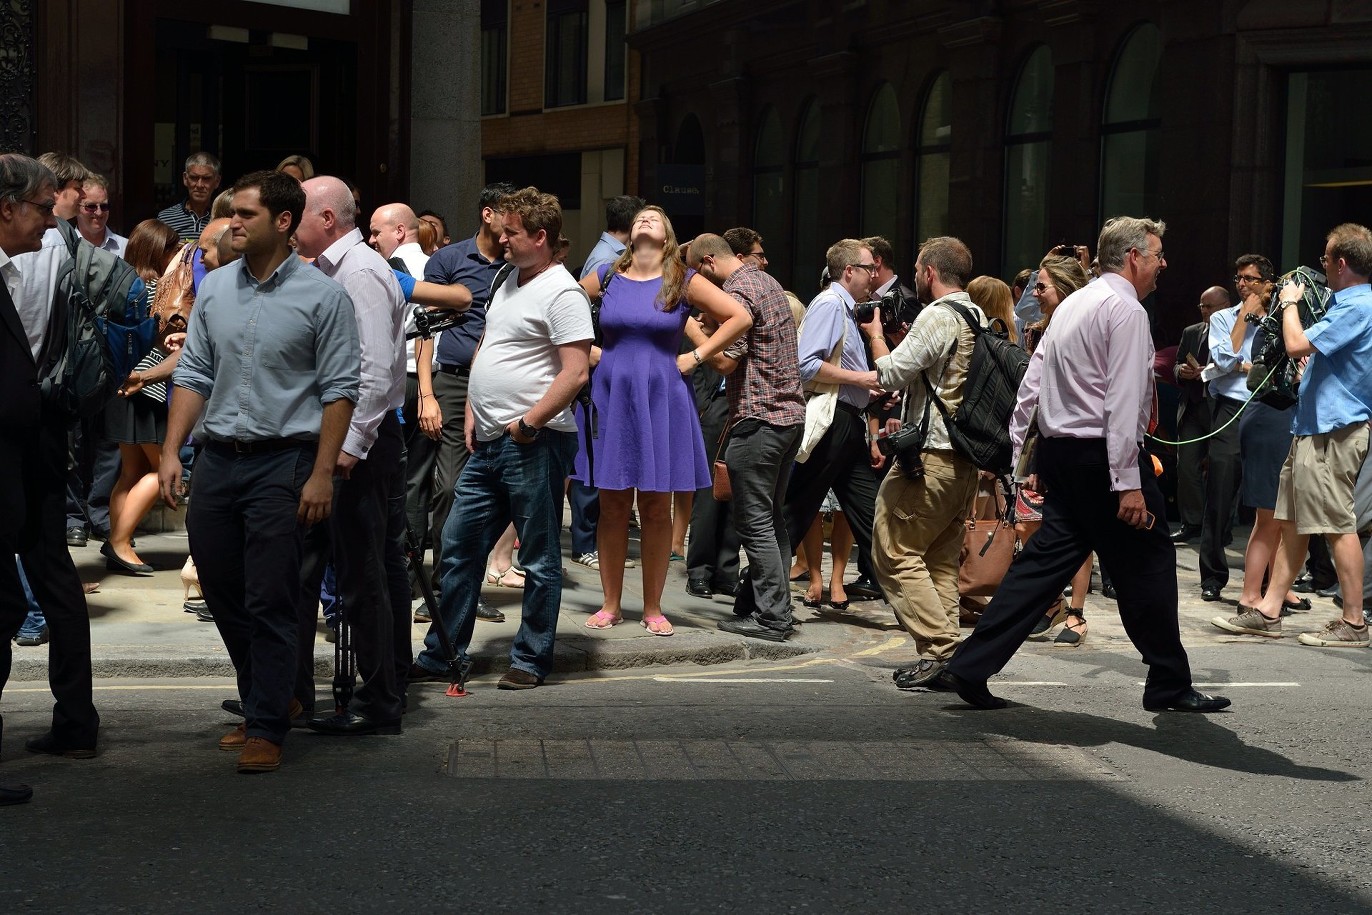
column 1079, row 515
column 42, row 466
column 583, row 503
column 450, row 390
column 357, row 537
column 247, row 544
column 421, row 455
column 841, row 462
column 1193, row 421
column 1221, row 493
column 712, row 554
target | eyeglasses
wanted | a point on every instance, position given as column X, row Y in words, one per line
column 1041, row 288
column 45, row 207
column 95, row 208
column 1143, row 252
column 760, row 255
column 870, row 268
column 1240, row 278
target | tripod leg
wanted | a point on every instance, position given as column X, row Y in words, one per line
column 344, row 663
column 457, row 669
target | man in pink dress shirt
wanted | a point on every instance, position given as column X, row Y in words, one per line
column 1089, row 391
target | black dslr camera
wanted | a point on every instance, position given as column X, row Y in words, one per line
column 897, row 311
column 906, row 446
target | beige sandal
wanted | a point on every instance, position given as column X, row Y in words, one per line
column 509, row 578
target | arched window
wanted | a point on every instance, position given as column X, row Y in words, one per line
column 769, row 161
column 807, row 254
column 1028, row 143
column 1129, row 142
column 881, row 165
column 934, row 155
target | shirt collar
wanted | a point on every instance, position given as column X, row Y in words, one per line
column 615, row 244
column 886, row 286
column 401, row 250
column 842, row 294
column 333, row 255
column 1120, row 285
column 6, row 262
column 473, row 252
column 279, row 275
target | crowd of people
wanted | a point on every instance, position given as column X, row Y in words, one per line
column 328, row 436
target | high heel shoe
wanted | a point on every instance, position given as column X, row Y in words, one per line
column 1072, row 635
column 502, row 578
column 114, row 564
column 190, row 581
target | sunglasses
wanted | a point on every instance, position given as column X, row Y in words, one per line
column 95, row 207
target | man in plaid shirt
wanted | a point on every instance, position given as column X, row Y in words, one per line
column 766, row 416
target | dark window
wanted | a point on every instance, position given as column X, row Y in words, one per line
column 567, row 39
column 494, row 65
column 616, row 51
column 558, row 174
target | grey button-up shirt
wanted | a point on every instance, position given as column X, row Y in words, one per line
column 268, row 356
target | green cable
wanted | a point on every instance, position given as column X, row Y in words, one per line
column 1232, row 419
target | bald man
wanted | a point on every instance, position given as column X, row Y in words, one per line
column 1193, row 415
column 208, row 244
column 395, row 233
column 365, row 534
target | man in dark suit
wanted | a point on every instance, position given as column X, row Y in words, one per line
column 1193, row 415
column 32, row 476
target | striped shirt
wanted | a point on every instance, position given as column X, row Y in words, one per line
column 186, row 224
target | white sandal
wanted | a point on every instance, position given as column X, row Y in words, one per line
column 501, row 578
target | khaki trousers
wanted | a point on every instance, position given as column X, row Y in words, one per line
column 916, row 543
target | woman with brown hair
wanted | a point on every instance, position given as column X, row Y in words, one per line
column 649, row 441
column 1058, row 278
column 298, row 167
column 136, row 420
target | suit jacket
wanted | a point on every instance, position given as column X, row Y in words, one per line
column 20, row 416
column 1195, row 341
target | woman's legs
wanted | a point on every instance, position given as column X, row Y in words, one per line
column 500, row 570
column 612, row 544
column 1257, row 557
column 138, row 479
column 840, row 548
column 811, row 555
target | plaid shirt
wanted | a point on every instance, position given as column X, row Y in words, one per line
column 766, row 385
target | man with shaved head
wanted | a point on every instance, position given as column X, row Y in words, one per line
column 208, row 244
column 395, row 233
column 365, row 534
column 1193, row 415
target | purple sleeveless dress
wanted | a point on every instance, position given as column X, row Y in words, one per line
column 649, row 433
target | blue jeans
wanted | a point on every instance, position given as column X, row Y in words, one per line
column 33, row 624
column 505, row 481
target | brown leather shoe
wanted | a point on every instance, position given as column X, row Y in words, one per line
column 235, row 739
column 518, row 679
column 259, row 755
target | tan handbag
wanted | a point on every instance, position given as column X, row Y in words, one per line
column 989, row 544
column 719, row 475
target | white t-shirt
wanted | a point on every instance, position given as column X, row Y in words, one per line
column 517, row 361
column 415, row 259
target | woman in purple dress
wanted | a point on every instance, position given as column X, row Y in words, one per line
column 648, row 438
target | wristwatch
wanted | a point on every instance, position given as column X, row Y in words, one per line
column 527, row 430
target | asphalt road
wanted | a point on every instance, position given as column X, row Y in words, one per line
column 802, row 785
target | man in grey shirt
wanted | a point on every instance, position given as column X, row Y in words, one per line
column 272, row 359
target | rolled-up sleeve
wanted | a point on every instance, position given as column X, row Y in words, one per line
column 337, row 352
column 1128, row 393
column 819, row 334
column 195, row 369
column 1221, row 343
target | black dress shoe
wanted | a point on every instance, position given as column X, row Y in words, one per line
column 15, row 794
column 865, row 589
column 1331, row 591
column 53, row 747
column 346, row 724
column 76, row 536
column 114, row 564
column 699, row 587
column 1295, row 606
column 751, row 628
column 1107, row 591
column 1210, row 592
column 488, row 613
column 729, row 589
column 974, row 694
column 1185, row 533
column 1192, row 701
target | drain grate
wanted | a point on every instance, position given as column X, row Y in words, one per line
column 992, row 759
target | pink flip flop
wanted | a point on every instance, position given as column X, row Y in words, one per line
column 657, row 625
column 603, row 620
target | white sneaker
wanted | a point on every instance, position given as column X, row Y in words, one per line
column 589, row 560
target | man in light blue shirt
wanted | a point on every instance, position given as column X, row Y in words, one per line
column 1315, row 494
column 1231, row 355
column 619, row 216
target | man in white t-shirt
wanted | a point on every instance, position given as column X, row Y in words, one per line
column 528, row 368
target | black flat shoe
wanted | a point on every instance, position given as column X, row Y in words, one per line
column 53, row 747
column 1192, row 701
column 1295, row 606
column 346, row 724
column 751, row 628
column 974, row 694
column 15, row 794
column 815, row 604
column 1185, row 533
column 839, row 604
column 114, row 564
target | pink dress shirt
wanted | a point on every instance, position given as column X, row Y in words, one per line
column 1090, row 376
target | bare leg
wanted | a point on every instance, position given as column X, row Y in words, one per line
column 1347, row 552
column 1257, row 558
column 655, row 525
column 138, row 478
column 501, row 565
column 612, row 544
column 812, row 549
column 1081, row 583
column 840, row 548
column 1290, row 557
column 681, row 519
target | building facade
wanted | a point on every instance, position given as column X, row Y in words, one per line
column 1015, row 125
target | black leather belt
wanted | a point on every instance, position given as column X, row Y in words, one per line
column 448, row 368
column 848, row 408
column 265, row 446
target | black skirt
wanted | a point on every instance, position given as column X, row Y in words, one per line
column 136, row 420
column 1264, row 441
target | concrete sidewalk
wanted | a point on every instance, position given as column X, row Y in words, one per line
column 138, row 627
